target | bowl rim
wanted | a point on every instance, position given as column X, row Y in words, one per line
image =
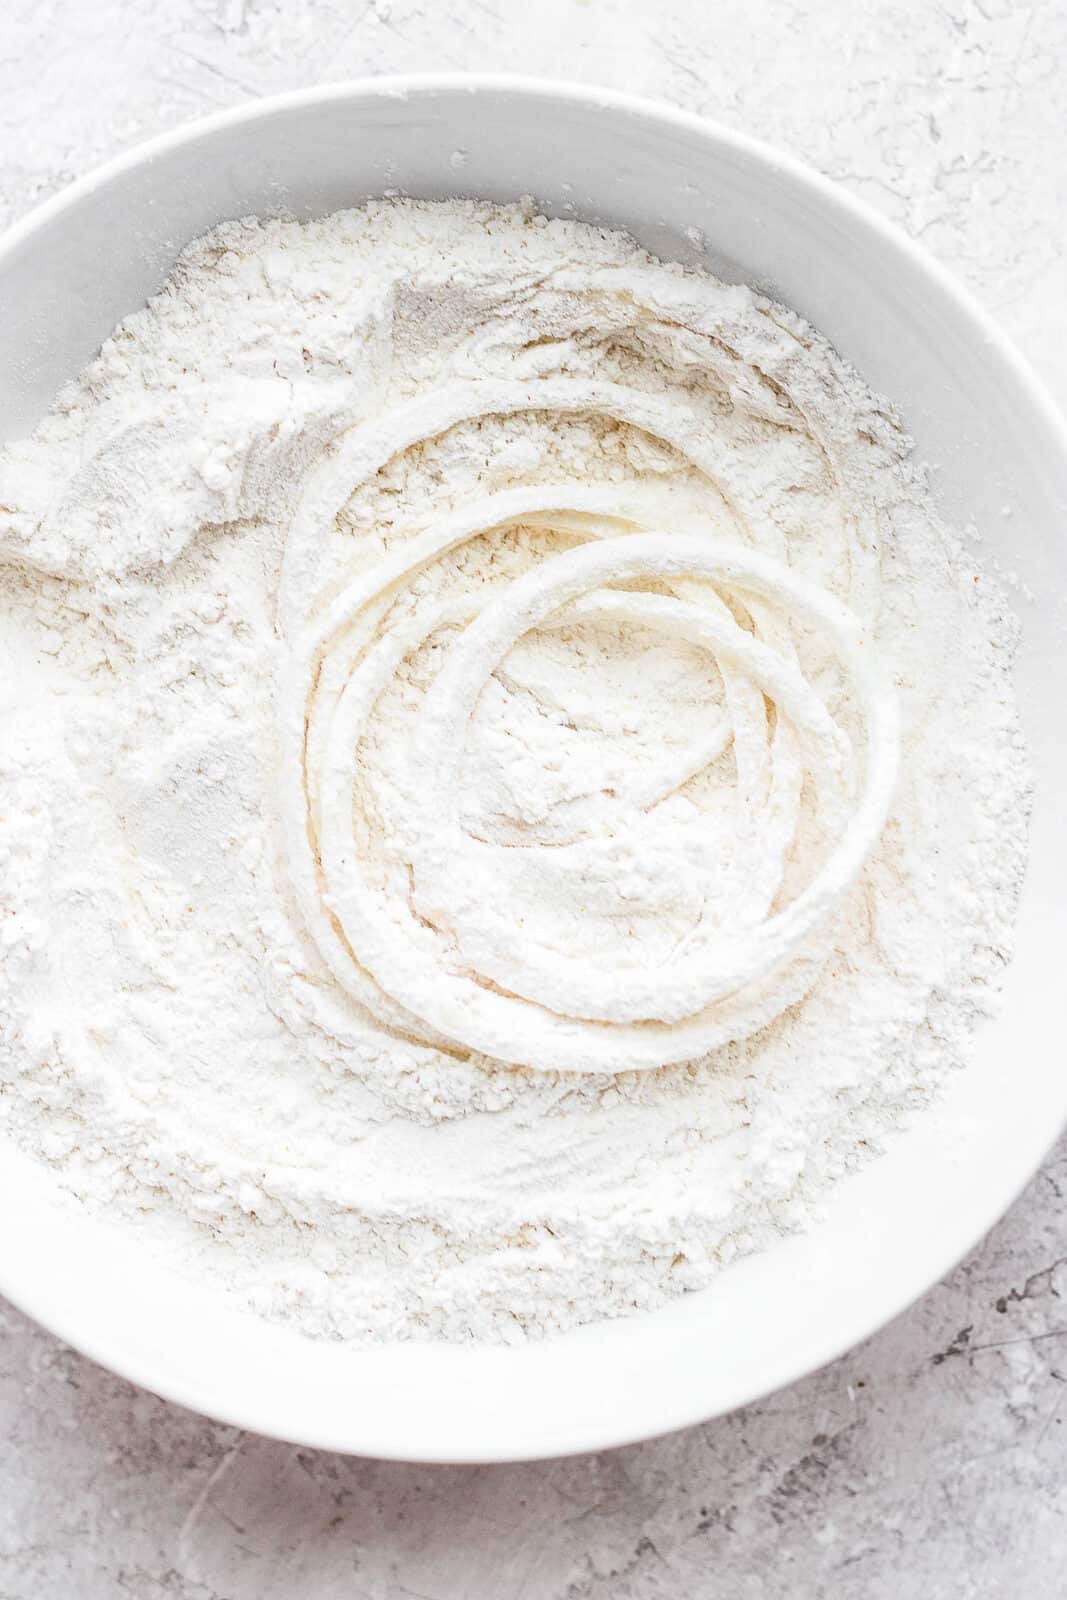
column 402, row 86
column 398, row 87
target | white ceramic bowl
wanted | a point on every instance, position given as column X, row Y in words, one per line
column 80, row 263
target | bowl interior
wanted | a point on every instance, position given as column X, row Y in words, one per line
column 693, row 193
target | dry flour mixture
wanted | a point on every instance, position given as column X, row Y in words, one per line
column 507, row 788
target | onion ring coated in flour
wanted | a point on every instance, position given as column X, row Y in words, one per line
column 446, row 967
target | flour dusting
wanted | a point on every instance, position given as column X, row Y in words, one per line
column 508, row 788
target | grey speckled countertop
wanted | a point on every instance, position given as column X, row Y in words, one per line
column 932, row 1461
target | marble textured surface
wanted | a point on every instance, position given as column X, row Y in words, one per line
column 932, row 1461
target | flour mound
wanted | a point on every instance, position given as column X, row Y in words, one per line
column 508, row 789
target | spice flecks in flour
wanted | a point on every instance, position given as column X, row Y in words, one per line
column 507, row 787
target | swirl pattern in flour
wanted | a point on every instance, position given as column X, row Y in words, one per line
column 441, row 954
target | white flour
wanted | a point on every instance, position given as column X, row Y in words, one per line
column 454, row 658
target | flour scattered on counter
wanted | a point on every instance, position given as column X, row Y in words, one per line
column 508, row 789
